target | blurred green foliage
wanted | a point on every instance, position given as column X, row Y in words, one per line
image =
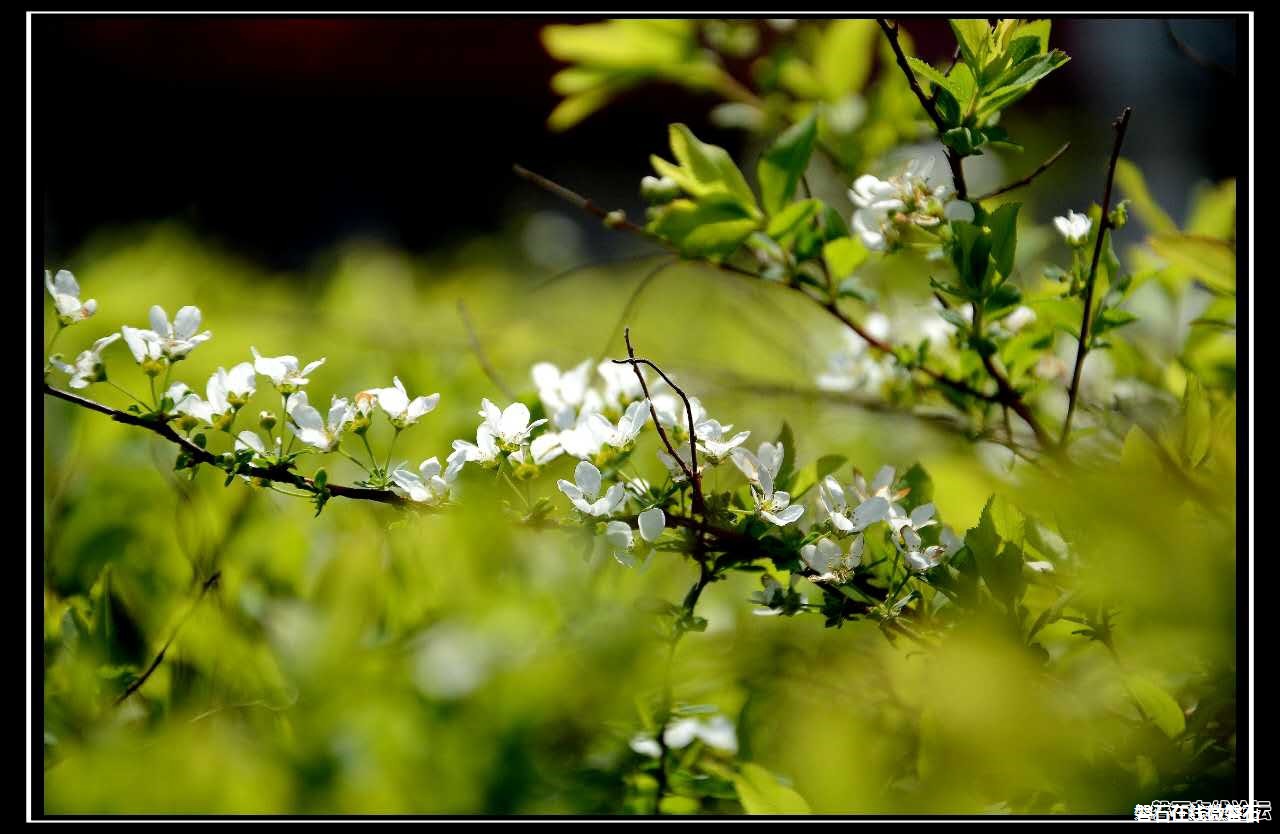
column 216, row 649
column 368, row 662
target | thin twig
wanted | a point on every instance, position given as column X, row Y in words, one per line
column 1104, row 223
column 478, row 350
column 1029, row 178
column 690, row 470
column 876, row 344
column 209, row 583
column 953, row 158
column 199, row 455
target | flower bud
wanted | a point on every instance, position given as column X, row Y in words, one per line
column 153, row 367
column 187, row 422
column 615, row 219
column 656, row 191
column 1119, row 215
column 525, row 471
column 267, row 420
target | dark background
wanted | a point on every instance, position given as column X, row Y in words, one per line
column 280, row 136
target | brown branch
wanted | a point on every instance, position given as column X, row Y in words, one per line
column 693, row 475
column 1104, row 222
column 1029, row 178
column 876, row 344
column 199, row 455
column 953, row 158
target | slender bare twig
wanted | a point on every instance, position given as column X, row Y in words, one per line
column 690, row 470
column 1029, row 178
column 953, row 158
column 209, row 583
column 1104, row 222
column 197, row 454
column 478, row 350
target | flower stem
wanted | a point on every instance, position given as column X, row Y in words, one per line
column 48, row 348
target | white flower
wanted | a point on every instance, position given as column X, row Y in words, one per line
column 1018, row 319
column 66, row 298
column 402, row 411
column 541, row 450
column 179, row 338
column 618, row 534
column 713, row 442
column 312, row 429
column 623, row 435
column 761, row 469
column 620, row 384
column 143, row 344
column 251, row 440
column 674, row 417
column 484, row 451
column 509, row 426
column 833, row 500
column 430, row 485
column 827, row 560
column 717, row 732
column 776, row 507
column 583, row 494
column 645, row 745
column 884, row 207
column 564, row 394
column 283, row 370
column 229, row 390
column 909, row 542
column 1074, row 228
column 88, row 367
column 886, row 508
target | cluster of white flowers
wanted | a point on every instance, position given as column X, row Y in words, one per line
column 885, row 208
column 846, row 511
column 595, row 419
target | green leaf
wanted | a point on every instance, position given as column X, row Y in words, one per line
column 972, row 36
column 784, row 163
column 1134, row 187
column 983, row 540
column 845, row 55
column 1197, row 422
column 1038, row 29
column 1003, row 223
column 622, row 44
column 1213, row 211
column 921, row 485
column 1212, row 261
column 843, row 256
column 711, row 228
column 760, row 792
column 1157, row 705
column 706, row 169
column 791, row 218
